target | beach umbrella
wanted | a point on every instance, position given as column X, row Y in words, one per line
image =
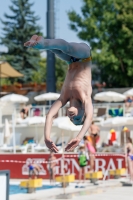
column 6, row 71
column 7, row 132
column 64, row 123
column 128, row 93
column 129, row 120
column 35, row 121
column 50, row 96
column 114, row 122
column 109, row 96
column 14, row 98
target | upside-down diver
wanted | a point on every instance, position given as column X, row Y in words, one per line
column 76, row 88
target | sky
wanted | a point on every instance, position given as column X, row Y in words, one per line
column 40, row 6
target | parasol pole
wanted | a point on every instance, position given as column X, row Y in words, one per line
column 13, row 129
column 63, row 162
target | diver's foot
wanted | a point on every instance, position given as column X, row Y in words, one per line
column 36, row 42
column 32, row 41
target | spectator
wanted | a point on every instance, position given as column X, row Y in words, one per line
column 37, row 112
column 125, row 132
column 91, row 148
column 116, row 112
column 25, row 111
column 52, row 164
column 34, row 169
column 129, row 101
column 129, row 147
column 120, row 111
column 82, row 158
column 94, row 129
column 112, row 137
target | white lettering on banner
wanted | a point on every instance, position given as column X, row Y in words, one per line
column 66, row 166
column 100, row 164
column 25, row 168
column 111, row 165
column 67, row 162
column 99, row 167
column 119, row 161
column 57, row 168
column 71, row 165
column 74, row 165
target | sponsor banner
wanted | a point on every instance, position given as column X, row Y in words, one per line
column 18, row 164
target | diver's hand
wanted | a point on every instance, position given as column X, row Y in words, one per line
column 51, row 145
column 72, row 144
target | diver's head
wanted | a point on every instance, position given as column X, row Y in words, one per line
column 76, row 115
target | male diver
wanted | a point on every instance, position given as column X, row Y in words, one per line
column 76, row 88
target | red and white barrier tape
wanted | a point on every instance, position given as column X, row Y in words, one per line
column 65, row 156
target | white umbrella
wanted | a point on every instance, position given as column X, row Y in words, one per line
column 50, row 96
column 47, row 96
column 128, row 93
column 6, row 129
column 109, row 96
column 36, row 120
column 129, row 120
column 59, row 120
column 14, row 98
column 7, row 132
column 114, row 122
column 64, row 123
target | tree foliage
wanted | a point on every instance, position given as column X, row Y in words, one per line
column 39, row 76
column 17, row 29
column 108, row 27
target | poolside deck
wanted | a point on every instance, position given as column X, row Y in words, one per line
column 111, row 189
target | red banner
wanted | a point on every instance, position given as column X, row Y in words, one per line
column 18, row 163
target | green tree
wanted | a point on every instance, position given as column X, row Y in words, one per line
column 60, row 72
column 39, row 76
column 108, row 27
column 61, row 67
column 17, row 29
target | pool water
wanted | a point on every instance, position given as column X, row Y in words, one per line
column 15, row 189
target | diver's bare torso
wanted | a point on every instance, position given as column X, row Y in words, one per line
column 77, row 83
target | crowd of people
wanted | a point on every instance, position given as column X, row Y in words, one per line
column 86, row 152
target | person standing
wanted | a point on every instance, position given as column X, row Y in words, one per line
column 34, row 170
column 125, row 134
column 94, row 129
column 91, row 151
column 129, row 147
column 82, row 159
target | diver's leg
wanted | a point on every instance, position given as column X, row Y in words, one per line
column 77, row 50
column 61, row 55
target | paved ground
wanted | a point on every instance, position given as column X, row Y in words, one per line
column 108, row 190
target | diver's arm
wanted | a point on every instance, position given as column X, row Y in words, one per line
column 48, row 124
column 89, row 113
column 88, row 119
